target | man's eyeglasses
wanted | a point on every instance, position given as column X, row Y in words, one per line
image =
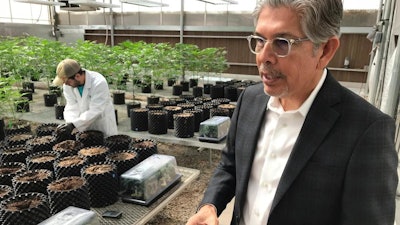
column 280, row 46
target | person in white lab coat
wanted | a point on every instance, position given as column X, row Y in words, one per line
column 88, row 102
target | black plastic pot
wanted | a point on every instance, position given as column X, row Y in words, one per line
column 152, row 107
column 159, row 86
column 18, row 127
column 167, row 102
column 69, row 166
column 206, row 111
column 42, row 160
column 153, row 99
column 217, row 91
column 68, row 191
column 144, row 148
column 171, row 110
column 193, row 82
column 29, row 86
column 177, row 89
column 230, row 92
column 219, row 112
column 178, row 100
column 18, row 139
column 171, row 81
column 102, row 183
column 32, row 181
column 45, row 129
column 184, row 125
column 123, row 159
column 187, row 97
column 207, row 88
column 139, row 119
column 22, row 106
column 27, row 209
column 229, row 107
column 94, row 154
column 197, row 91
column 118, row 142
column 198, row 117
column 185, row 85
column 67, row 148
column 90, row 138
column 16, row 153
column 9, row 170
column 41, row 143
column 146, row 88
column 5, row 192
column 158, row 122
column 119, row 97
column 50, row 99
column 132, row 105
column 186, row 106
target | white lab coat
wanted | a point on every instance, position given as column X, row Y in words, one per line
column 94, row 110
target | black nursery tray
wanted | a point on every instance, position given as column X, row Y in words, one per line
column 129, row 199
column 211, row 140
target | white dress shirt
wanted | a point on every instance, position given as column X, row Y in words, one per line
column 276, row 140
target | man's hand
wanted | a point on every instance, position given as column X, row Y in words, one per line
column 207, row 215
column 65, row 128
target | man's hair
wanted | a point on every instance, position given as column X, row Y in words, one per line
column 319, row 19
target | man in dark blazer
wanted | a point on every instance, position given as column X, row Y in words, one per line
column 302, row 149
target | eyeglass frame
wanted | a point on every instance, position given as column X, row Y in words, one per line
column 290, row 42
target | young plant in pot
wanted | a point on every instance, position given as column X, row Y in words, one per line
column 48, row 64
column 213, row 62
column 123, row 60
column 185, row 55
column 147, row 59
column 10, row 101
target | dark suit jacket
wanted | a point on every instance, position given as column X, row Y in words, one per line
column 342, row 169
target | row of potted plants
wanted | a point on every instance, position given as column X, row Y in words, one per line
column 36, row 58
column 29, row 58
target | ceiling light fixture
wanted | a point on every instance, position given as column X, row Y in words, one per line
column 41, row 2
column 145, row 3
column 92, row 3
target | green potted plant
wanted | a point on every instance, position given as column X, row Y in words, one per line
column 10, row 100
column 146, row 62
column 49, row 54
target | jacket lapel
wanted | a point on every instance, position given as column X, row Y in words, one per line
column 317, row 124
column 255, row 114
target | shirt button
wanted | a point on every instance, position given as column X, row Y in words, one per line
column 264, row 184
column 256, row 213
column 273, row 155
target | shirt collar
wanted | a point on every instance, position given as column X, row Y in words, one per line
column 275, row 105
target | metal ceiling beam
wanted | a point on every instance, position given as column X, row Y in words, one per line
column 219, row 2
column 92, row 3
column 41, row 2
column 145, row 3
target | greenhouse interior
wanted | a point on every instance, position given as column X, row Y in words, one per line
column 121, row 111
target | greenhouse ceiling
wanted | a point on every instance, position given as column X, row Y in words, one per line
column 36, row 11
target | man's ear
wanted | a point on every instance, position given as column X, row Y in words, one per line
column 328, row 51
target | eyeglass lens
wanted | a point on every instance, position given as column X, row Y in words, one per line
column 279, row 45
